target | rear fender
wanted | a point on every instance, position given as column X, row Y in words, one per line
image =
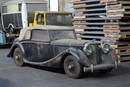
column 14, row 46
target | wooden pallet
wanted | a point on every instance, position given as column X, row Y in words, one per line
column 80, row 4
column 112, row 28
column 79, row 9
column 117, row 33
column 118, row 25
column 117, row 42
column 124, row 58
column 79, row 30
column 108, row 1
column 118, row 13
column 74, row 0
column 123, row 52
column 78, row 26
column 118, row 10
column 117, row 5
column 117, row 36
column 115, row 26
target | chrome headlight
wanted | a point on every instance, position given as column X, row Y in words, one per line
column 88, row 49
column 7, row 35
column 106, row 48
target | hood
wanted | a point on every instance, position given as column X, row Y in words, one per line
column 69, row 42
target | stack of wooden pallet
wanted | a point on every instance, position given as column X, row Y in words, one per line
column 89, row 19
column 118, row 28
column 104, row 21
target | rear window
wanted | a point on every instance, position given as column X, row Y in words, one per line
column 62, row 34
column 40, row 35
column 59, row 19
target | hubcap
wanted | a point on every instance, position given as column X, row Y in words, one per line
column 70, row 67
column 16, row 57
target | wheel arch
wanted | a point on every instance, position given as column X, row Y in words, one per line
column 12, row 52
column 63, row 59
column 78, row 55
column 17, row 45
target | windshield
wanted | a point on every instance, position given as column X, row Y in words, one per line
column 13, row 8
column 56, row 35
column 59, row 19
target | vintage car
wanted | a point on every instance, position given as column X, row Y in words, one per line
column 58, row 47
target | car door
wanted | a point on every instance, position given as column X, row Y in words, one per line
column 38, row 49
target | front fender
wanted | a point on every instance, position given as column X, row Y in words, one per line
column 59, row 59
column 79, row 55
column 15, row 45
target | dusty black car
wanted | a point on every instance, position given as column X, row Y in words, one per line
column 57, row 47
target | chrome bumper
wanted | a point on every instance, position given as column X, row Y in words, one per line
column 93, row 68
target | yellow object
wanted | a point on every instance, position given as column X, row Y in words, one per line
column 43, row 20
column 16, row 35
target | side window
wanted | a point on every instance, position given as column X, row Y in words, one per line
column 20, row 7
column 40, row 35
column 40, row 19
column 4, row 9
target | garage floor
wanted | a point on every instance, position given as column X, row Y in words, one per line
column 33, row 76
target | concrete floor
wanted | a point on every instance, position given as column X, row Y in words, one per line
column 33, row 76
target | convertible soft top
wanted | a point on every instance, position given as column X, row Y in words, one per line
column 27, row 36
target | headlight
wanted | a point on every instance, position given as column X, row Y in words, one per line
column 7, row 35
column 88, row 49
column 106, row 48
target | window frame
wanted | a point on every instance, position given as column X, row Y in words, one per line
column 52, row 39
column 40, row 40
column 41, row 20
column 56, row 15
column 5, row 11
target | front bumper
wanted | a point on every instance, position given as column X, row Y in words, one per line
column 93, row 68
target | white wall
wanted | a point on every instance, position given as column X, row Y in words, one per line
column 2, row 1
column 61, row 5
column 54, row 5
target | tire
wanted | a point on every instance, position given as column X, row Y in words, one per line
column 72, row 67
column 18, row 58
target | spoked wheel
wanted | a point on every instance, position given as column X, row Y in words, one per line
column 72, row 67
column 18, row 58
